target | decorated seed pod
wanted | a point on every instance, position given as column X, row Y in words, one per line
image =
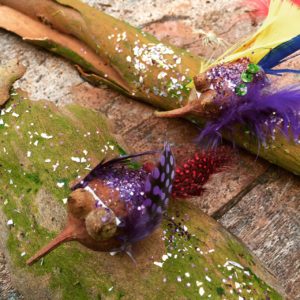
column 115, row 205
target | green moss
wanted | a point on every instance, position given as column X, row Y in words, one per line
column 33, row 177
column 220, row 291
column 64, row 52
column 72, row 130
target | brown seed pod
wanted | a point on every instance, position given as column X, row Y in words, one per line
column 116, row 205
column 80, row 203
column 101, row 224
column 201, row 82
column 91, row 226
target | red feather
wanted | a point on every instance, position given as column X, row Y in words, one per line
column 193, row 173
column 258, row 8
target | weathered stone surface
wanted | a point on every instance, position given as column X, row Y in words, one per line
column 267, row 220
column 47, row 77
column 7, row 289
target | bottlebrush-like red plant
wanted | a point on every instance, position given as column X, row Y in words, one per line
column 193, row 173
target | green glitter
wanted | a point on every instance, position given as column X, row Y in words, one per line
column 247, row 77
column 241, row 90
column 253, row 68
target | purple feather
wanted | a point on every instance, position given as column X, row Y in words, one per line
column 157, row 191
column 262, row 112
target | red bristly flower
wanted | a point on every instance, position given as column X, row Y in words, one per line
column 195, row 172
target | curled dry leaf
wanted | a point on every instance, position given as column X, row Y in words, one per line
column 9, row 73
column 106, row 50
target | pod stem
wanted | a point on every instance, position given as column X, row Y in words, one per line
column 175, row 113
column 66, row 235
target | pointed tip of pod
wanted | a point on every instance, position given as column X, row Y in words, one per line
column 68, row 234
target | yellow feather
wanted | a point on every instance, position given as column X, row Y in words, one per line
column 281, row 25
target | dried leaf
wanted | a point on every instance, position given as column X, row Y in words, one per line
column 9, row 73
